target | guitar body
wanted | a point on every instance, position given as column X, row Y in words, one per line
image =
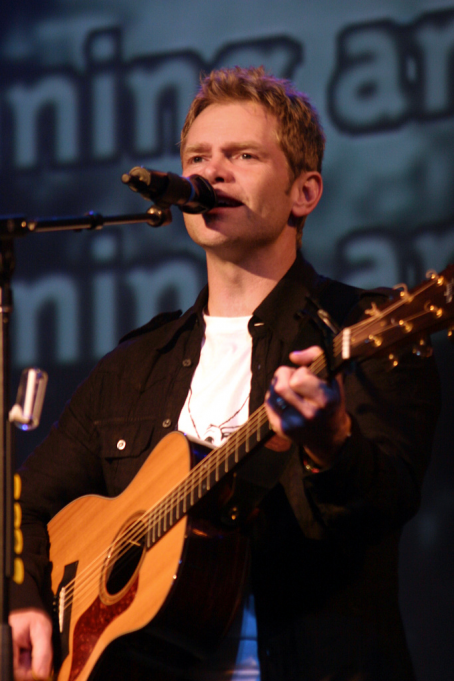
column 107, row 582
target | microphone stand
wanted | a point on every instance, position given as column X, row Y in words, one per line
column 6, row 461
column 12, row 227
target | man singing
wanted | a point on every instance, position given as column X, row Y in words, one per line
column 323, row 504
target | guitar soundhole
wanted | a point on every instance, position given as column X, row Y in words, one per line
column 123, row 561
column 123, row 569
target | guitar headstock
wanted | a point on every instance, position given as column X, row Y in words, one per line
column 407, row 319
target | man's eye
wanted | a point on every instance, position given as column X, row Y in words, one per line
column 246, row 155
column 195, row 159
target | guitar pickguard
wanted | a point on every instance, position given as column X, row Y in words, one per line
column 90, row 626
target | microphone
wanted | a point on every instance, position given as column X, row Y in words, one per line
column 191, row 194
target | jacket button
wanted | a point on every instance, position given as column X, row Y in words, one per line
column 187, row 362
column 121, row 444
column 166, row 423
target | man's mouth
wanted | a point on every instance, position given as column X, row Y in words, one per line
column 224, row 201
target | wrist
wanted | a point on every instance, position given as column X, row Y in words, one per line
column 319, row 460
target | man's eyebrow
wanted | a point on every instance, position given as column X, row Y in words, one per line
column 246, row 144
column 229, row 146
column 196, row 148
column 242, row 145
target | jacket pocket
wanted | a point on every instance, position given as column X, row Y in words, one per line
column 124, row 447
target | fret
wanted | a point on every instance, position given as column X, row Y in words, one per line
column 149, row 538
column 161, row 517
column 164, row 514
column 200, row 483
column 186, row 505
column 231, row 459
column 172, row 509
column 212, row 478
column 207, row 476
column 216, row 477
column 259, row 431
column 155, row 528
column 247, row 436
column 169, row 514
column 168, row 520
column 200, row 477
column 226, row 461
column 185, row 495
column 197, row 482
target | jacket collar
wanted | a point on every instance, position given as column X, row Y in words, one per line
column 279, row 310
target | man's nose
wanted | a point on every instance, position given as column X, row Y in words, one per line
column 218, row 170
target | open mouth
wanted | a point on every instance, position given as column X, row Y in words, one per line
column 224, row 201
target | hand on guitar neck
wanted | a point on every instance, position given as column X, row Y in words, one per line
column 308, row 410
column 32, row 644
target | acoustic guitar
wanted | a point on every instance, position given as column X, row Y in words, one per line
column 122, row 564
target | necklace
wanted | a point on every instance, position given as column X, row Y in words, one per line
column 212, row 425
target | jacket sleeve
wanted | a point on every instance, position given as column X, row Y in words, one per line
column 374, row 486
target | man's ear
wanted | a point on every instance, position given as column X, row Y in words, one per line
column 307, row 191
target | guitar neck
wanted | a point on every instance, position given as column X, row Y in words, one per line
column 206, row 474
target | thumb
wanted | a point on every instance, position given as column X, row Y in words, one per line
column 41, row 640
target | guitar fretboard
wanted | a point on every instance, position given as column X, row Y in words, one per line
column 206, row 474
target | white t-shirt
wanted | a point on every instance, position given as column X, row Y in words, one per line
column 218, row 400
column 216, row 405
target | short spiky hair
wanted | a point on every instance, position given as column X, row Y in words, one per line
column 299, row 131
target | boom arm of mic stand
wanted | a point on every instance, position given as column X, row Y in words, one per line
column 14, row 226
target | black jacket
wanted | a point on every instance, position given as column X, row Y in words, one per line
column 325, row 545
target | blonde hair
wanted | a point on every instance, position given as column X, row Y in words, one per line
column 299, row 131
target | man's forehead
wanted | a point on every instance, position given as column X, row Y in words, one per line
column 236, row 122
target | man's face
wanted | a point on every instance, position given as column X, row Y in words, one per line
column 234, row 146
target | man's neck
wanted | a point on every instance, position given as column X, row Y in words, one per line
column 236, row 290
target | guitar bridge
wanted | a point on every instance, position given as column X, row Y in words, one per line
column 62, row 610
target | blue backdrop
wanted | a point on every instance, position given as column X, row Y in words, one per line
column 89, row 89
